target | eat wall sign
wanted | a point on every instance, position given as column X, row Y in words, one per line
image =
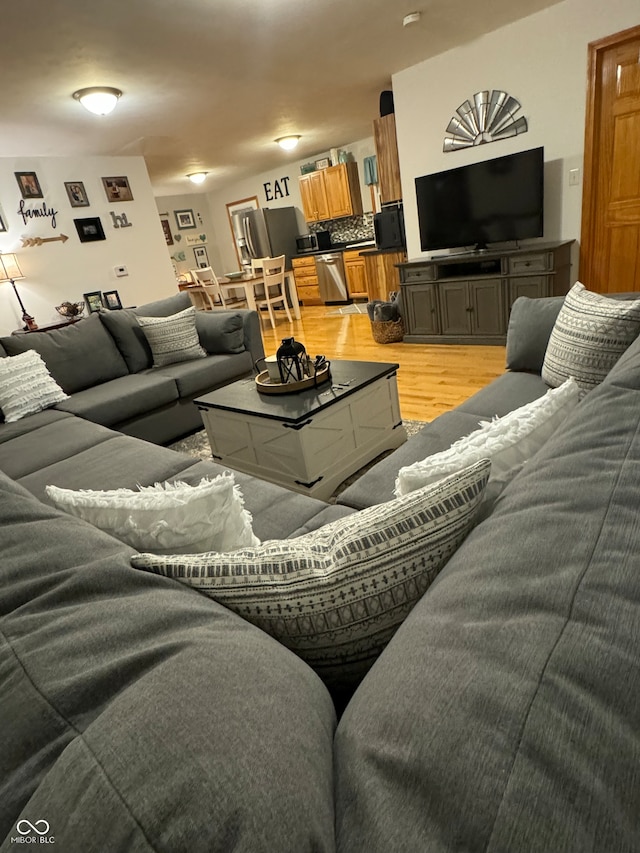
column 276, row 189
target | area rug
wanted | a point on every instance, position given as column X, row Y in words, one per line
column 356, row 308
column 197, row 445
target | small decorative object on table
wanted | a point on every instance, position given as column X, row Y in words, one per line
column 70, row 310
column 296, row 370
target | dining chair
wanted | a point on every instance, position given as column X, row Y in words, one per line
column 213, row 293
column 273, row 283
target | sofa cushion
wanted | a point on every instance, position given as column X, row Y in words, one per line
column 204, row 374
column 589, row 336
column 3, row 351
column 508, row 442
column 127, row 333
column 26, row 386
column 10, row 431
column 167, row 517
column 337, row 595
column 123, row 399
column 503, row 714
column 173, row 338
column 504, row 394
column 137, row 715
column 530, row 324
column 78, row 357
column 220, row 331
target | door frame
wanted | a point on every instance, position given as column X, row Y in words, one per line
column 592, row 142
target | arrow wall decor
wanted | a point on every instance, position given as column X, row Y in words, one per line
column 38, row 241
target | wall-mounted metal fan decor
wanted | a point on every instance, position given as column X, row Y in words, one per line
column 491, row 116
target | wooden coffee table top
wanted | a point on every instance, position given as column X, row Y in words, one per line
column 347, row 377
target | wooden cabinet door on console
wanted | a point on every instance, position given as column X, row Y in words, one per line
column 487, row 307
column 421, row 309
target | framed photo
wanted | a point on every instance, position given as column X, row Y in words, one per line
column 185, row 219
column 323, row 164
column 89, row 230
column 250, row 203
column 117, row 189
column 112, row 299
column 29, row 184
column 3, row 227
column 93, row 301
column 76, row 193
column 200, row 254
column 166, row 228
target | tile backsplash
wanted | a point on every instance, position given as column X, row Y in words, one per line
column 348, row 229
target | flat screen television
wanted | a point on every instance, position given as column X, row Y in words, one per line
column 490, row 202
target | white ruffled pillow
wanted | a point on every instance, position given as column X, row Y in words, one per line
column 166, row 518
column 508, row 442
column 26, row 386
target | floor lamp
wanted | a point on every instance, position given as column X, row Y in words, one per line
column 10, row 271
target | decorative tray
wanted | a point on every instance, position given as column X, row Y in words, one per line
column 266, row 386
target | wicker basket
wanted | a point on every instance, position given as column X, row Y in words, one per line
column 387, row 331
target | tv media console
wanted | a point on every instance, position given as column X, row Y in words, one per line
column 466, row 299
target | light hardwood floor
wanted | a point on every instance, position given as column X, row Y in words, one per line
column 432, row 379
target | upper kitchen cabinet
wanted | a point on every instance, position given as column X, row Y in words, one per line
column 331, row 193
column 384, row 135
column 314, row 197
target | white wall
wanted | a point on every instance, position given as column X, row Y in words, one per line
column 57, row 272
column 271, row 190
column 541, row 61
column 199, row 204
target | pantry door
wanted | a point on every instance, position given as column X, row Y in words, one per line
column 610, row 240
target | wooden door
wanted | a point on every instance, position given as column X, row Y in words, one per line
column 610, row 240
column 337, row 188
column 487, row 307
column 455, row 308
column 384, row 134
column 314, row 197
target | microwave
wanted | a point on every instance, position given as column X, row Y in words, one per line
column 388, row 226
column 318, row 241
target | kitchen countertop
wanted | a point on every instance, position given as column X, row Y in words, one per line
column 340, row 247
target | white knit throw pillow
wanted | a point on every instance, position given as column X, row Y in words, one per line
column 26, row 386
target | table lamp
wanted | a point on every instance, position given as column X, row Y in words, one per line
column 10, row 271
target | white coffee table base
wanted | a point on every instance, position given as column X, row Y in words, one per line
column 316, row 456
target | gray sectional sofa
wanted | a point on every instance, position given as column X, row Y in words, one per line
column 139, row 715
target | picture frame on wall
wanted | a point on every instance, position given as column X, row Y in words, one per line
column 117, row 189
column 323, row 164
column 93, row 301
column 90, row 229
column 166, row 229
column 29, row 184
column 185, row 219
column 111, row 300
column 76, row 193
column 201, row 256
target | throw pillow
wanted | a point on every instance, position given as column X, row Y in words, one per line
column 336, row 595
column 589, row 336
column 508, row 442
column 220, row 331
column 173, row 338
column 26, row 386
column 168, row 517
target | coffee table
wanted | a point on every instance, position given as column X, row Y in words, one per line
column 310, row 441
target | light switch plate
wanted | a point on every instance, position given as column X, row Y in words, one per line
column 574, row 177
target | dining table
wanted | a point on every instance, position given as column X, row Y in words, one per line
column 248, row 283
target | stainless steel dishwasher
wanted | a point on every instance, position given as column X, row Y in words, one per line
column 332, row 282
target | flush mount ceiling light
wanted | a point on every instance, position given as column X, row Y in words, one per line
column 197, row 177
column 99, row 100
column 288, row 142
column 411, row 18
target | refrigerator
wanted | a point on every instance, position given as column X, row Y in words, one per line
column 265, row 233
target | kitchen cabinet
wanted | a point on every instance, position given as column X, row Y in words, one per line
column 467, row 299
column 356, row 275
column 388, row 162
column 382, row 272
column 306, row 277
column 331, row 193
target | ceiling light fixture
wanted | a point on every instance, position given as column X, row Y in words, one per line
column 100, row 100
column 411, row 18
column 198, row 177
column 288, row 142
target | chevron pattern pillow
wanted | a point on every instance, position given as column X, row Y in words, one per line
column 336, row 596
column 173, row 338
column 589, row 336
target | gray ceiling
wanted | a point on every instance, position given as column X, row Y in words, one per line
column 209, row 84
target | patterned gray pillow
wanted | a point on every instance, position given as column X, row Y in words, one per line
column 589, row 336
column 336, row 596
column 173, row 338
